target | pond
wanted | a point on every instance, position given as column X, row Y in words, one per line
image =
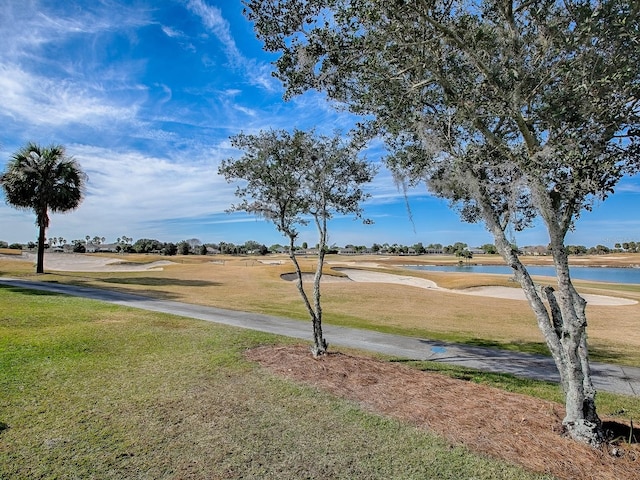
column 599, row 274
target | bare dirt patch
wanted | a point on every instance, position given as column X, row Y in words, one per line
column 519, row 429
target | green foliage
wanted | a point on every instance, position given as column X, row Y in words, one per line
column 43, row 179
column 489, row 248
column 183, row 248
column 528, row 106
column 292, row 175
column 170, row 249
column 147, row 245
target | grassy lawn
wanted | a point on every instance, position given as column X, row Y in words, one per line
column 91, row 390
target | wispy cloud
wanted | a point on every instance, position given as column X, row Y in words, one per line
column 136, row 190
column 172, row 32
column 628, row 186
column 39, row 100
column 257, row 73
column 214, row 21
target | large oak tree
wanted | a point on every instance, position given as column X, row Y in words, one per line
column 511, row 109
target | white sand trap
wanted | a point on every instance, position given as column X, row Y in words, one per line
column 518, row 294
column 493, row 292
column 71, row 262
column 272, row 262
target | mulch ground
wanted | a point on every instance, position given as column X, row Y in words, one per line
column 519, row 429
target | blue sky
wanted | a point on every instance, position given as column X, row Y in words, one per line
column 145, row 94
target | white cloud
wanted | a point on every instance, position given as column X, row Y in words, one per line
column 39, row 100
column 130, row 193
column 214, row 21
column 171, row 32
column 151, row 187
column 29, row 25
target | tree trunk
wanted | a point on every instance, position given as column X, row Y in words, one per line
column 562, row 321
column 41, row 241
column 581, row 420
column 319, row 344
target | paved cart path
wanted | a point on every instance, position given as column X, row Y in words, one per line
column 607, row 377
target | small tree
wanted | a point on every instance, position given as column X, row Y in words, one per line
column 78, row 246
column 184, row 248
column 43, row 179
column 291, row 177
column 489, row 248
column 169, row 249
column 510, row 109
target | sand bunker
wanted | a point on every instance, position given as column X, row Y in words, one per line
column 69, row 262
column 493, row 292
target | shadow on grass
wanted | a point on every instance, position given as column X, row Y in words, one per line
column 598, row 354
column 537, row 348
column 160, row 282
column 33, row 293
column 505, row 380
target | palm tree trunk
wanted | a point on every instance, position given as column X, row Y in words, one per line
column 41, row 240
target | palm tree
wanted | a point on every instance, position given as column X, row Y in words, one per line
column 43, row 180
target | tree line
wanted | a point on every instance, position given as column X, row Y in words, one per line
column 251, row 247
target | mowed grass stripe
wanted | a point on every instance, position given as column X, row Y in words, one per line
column 91, row 390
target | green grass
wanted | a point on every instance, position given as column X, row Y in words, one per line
column 92, row 390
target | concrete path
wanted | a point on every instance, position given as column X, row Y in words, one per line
column 611, row 378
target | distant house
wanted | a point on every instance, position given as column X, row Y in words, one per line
column 535, row 250
column 102, row 247
column 307, row 251
column 347, row 251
